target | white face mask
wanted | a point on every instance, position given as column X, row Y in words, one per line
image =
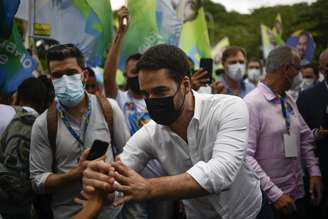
column 297, row 82
column 307, row 82
column 236, row 71
column 254, row 74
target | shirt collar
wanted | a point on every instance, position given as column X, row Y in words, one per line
column 197, row 105
column 267, row 92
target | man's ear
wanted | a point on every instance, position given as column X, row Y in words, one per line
column 84, row 76
column 187, row 84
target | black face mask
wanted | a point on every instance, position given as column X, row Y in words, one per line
column 133, row 84
column 162, row 110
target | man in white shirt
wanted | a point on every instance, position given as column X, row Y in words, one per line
column 199, row 139
column 136, row 115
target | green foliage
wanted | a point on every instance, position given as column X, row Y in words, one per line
column 244, row 30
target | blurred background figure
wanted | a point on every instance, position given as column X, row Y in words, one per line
column 91, row 84
column 310, row 75
column 254, row 71
column 232, row 82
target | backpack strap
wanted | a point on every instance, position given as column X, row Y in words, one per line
column 52, row 126
column 107, row 110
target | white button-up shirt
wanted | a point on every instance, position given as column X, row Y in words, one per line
column 214, row 156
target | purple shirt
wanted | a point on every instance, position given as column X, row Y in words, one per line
column 265, row 152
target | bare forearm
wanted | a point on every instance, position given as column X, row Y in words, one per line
column 175, row 187
column 55, row 181
column 90, row 211
column 111, row 66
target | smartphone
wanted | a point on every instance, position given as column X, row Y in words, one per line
column 98, row 149
column 207, row 65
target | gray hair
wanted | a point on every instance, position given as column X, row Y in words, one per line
column 278, row 57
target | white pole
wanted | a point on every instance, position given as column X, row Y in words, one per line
column 30, row 23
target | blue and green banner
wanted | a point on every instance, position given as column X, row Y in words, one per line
column 16, row 64
column 176, row 22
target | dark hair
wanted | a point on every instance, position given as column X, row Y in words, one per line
column 135, row 57
column 91, row 72
column 253, row 59
column 168, row 57
column 64, row 51
column 232, row 51
column 314, row 67
column 50, row 89
column 32, row 91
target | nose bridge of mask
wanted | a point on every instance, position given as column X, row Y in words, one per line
column 60, row 84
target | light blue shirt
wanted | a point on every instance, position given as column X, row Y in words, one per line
column 244, row 88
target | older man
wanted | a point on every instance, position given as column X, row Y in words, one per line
column 279, row 139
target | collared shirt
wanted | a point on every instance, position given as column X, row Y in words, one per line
column 68, row 152
column 214, row 156
column 266, row 155
column 244, row 88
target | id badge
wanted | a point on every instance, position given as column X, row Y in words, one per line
column 291, row 145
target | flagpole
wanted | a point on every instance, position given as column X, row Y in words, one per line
column 30, row 22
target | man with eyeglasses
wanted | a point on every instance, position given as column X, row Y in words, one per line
column 279, row 139
column 56, row 167
column 232, row 81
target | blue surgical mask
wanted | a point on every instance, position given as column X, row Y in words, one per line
column 69, row 89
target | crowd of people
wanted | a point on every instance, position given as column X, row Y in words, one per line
column 251, row 144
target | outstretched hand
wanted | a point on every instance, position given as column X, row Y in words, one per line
column 134, row 187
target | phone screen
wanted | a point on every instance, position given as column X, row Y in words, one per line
column 207, row 65
column 98, row 149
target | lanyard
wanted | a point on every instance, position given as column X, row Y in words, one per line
column 284, row 107
column 68, row 123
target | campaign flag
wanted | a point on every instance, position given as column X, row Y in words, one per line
column 304, row 44
column 217, row 51
column 85, row 23
column 268, row 40
column 178, row 22
column 194, row 37
column 277, row 31
column 152, row 22
column 16, row 64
